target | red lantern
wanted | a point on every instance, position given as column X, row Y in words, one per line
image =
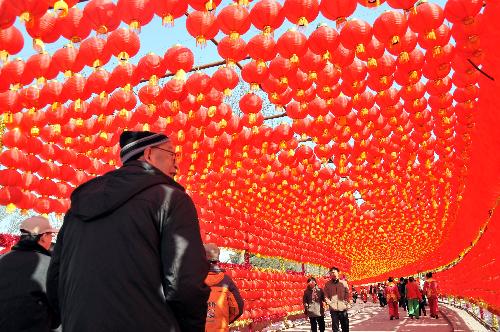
column 440, row 37
column 405, row 44
column 202, row 26
column 312, row 64
column 29, row 9
column 234, row 20
column 267, row 15
column 136, row 13
column 342, row 57
column 64, row 59
column 73, row 88
column 426, row 17
column 93, row 53
column 198, row 84
column 233, row 50
column 43, row 30
column 253, row 73
column 50, row 93
column 225, row 79
column 75, row 26
column 390, row 26
column 150, row 65
column 122, row 75
column 103, row 15
column 323, row 41
column 282, row 68
column 37, row 66
column 169, row 10
column 122, row 99
column 457, row 11
column 175, row 91
column 250, row 103
column 8, row 101
column 178, row 58
column 401, row 4
column 301, row 12
column 11, row 42
column 262, row 48
column 97, row 82
column 355, row 34
column 123, row 43
column 338, row 10
column 292, row 45
column 8, row 14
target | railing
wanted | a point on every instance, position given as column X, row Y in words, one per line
column 483, row 316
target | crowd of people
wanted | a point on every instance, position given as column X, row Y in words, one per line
column 407, row 294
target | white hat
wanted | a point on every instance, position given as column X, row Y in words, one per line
column 37, row 225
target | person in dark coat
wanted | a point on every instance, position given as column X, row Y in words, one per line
column 403, row 303
column 23, row 300
column 129, row 256
column 313, row 301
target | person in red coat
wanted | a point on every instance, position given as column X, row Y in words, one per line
column 414, row 296
column 431, row 290
column 392, row 296
column 364, row 294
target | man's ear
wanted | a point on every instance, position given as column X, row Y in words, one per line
column 147, row 154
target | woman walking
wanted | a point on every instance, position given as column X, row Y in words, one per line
column 414, row 297
column 313, row 300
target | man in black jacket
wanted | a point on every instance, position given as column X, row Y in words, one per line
column 23, row 271
column 129, row 256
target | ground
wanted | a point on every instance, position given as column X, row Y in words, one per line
column 371, row 317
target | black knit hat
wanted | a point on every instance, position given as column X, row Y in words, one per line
column 133, row 143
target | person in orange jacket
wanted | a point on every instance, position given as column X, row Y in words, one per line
column 431, row 290
column 225, row 303
column 392, row 296
column 414, row 297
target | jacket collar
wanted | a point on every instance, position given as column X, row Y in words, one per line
column 148, row 167
column 27, row 245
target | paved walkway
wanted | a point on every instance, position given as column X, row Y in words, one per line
column 371, row 317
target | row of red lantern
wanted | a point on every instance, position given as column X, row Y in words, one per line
column 26, row 200
column 95, row 52
column 324, row 152
column 104, row 16
column 274, row 245
column 124, row 35
column 268, row 292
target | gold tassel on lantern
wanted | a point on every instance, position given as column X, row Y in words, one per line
column 135, row 26
column 372, row 63
column 167, row 20
column 210, row 5
column 302, row 21
column 431, row 35
column 123, row 56
column 61, row 7
column 404, row 57
column 38, row 45
column 201, row 41
column 360, row 49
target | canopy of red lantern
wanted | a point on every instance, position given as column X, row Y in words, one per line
column 385, row 159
